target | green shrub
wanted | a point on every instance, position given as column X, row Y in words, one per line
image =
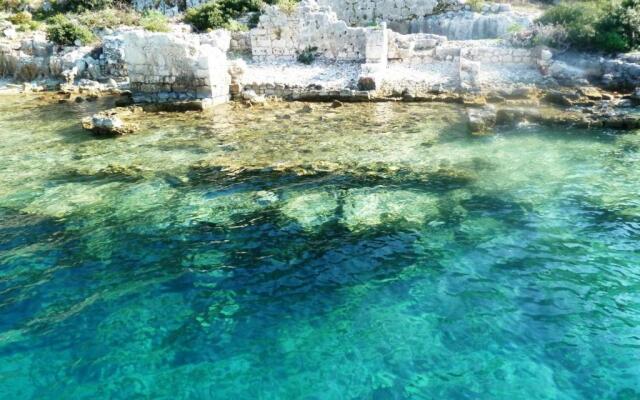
column 219, row 14
column 579, row 20
column 308, row 55
column 21, row 18
column 515, row 28
column 622, row 25
column 598, row 25
column 63, row 31
column 287, row 6
column 235, row 26
column 24, row 21
column 254, row 19
column 154, row 21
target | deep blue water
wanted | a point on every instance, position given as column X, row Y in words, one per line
column 423, row 263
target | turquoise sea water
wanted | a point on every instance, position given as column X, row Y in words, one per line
column 367, row 252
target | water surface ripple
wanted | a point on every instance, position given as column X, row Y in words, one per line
column 367, row 252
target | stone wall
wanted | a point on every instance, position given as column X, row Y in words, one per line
column 240, row 42
column 169, row 67
column 282, row 36
column 424, row 48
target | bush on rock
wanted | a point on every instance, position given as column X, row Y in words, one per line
column 23, row 20
column 597, row 25
column 220, row 14
column 154, row 21
column 224, row 13
column 308, row 55
column 65, row 32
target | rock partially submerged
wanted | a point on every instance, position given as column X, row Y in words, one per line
column 481, row 120
column 111, row 122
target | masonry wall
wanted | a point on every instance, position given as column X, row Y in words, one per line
column 166, row 67
column 282, row 36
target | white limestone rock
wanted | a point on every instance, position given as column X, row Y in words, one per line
column 252, row 97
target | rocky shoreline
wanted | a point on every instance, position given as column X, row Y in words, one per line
column 499, row 83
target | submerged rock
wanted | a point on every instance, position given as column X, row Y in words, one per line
column 369, row 207
column 220, row 208
column 62, row 200
column 311, row 209
column 514, row 116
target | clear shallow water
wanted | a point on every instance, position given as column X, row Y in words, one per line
column 372, row 251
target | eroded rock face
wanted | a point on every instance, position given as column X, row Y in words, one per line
column 363, row 12
column 36, row 58
column 468, row 25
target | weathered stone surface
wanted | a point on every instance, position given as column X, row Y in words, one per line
column 560, row 98
column 590, row 92
column 566, row 73
column 481, row 120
